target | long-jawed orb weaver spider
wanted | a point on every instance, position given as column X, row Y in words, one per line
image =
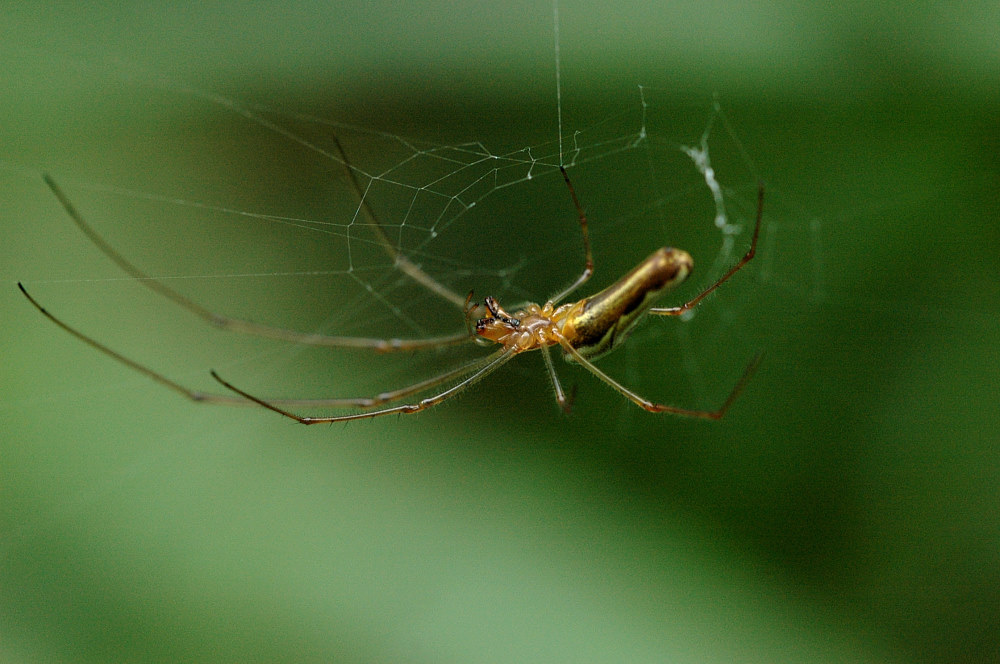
column 584, row 330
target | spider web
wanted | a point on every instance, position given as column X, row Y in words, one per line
column 278, row 234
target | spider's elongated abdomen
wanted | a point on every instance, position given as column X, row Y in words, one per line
column 602, row 321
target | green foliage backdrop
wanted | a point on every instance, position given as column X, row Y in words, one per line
column 845, row 510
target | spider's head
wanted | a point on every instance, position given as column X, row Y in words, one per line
column 497, row 323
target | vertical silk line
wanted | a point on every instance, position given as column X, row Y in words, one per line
column 555, row 32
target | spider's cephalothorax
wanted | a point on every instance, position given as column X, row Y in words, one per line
column 529, row 328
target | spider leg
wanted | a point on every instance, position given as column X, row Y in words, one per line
column 654, row 407
column 230, row 400
column 478, row 371
column 410, row 268
column 237, row 324
column 691, row 304
column 564, row 402
column 588, row 263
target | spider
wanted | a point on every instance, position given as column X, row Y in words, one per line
column 584, row 330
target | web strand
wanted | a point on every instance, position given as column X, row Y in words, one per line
column 555, row 31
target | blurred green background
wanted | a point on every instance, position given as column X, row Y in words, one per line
column 845, row 510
